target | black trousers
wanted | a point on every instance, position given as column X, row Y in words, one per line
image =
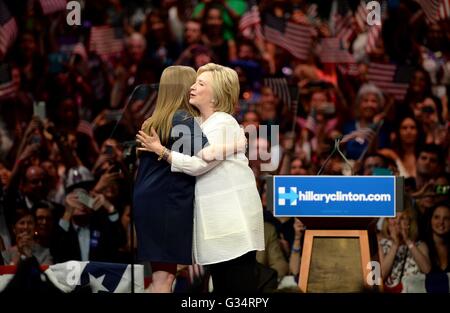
column 237, row 275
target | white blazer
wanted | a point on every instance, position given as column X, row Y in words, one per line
column 228, row 215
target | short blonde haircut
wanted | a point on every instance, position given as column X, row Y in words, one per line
column 225, row 86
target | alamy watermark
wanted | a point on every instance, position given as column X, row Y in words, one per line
column 74, row 15
column 374, row 276
column 374, row 13
column 230, row 138
column 74, row 271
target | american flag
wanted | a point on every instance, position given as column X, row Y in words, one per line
column 430, row 9
column 8, row 90
column 349, row 69
column 389, row 78
column 295, row 38
column 444, row 10
column 280, row 87
column 106, row 41
column 8, row 29
column 361, row 16
column 344, row 29
column 373, row 31
column 250, row 24
column 86, row 128
column 98, row 276
column 372, row 37
column 287, row 93
column 332, row 51
column 52, row 6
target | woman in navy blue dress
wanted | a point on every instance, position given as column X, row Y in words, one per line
column 163, row 201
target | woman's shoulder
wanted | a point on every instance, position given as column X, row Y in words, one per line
column 225, row 118
column 181, row 114
column 182, row 117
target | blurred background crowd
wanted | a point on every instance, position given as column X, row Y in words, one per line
column 315, row 69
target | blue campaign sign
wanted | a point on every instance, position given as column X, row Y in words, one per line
column 334, row 196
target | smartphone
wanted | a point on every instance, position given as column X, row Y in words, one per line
column 39, row 110
column 85, row 199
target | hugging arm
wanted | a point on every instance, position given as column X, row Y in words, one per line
column 201, row 161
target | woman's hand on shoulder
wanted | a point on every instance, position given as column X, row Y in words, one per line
column 150, row 143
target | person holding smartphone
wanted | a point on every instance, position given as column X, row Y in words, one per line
column 430, row 115
column 89, row 229
column 26, row 245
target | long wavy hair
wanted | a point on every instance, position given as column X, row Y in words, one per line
column 173, row 95
column 397, row 142
column 433, row 254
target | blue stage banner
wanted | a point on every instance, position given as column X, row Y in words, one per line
column 334, row 196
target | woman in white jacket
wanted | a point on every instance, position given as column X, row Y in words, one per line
column 228, row 217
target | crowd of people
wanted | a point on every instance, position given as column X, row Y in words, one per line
column 65, row 179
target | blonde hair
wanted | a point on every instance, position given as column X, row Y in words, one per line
column 225, row 86
column 173, row 95
column 413, row 232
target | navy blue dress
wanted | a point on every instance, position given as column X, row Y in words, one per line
column 164, row 201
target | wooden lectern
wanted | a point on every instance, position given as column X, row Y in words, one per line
column 337, row 251
column 336, row 254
